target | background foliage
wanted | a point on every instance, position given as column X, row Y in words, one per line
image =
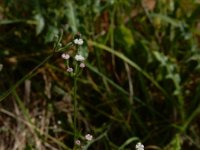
column 141, row 82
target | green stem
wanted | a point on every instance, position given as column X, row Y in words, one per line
column 75, row 102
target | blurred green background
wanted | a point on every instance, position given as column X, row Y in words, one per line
column 141, row 82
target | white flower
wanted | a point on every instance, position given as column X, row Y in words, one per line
column 88, row 137
column 82, row 65
column 69, row 69
column 139, row 146
column 59, row 122
column 65, row 56
column 78, row 142
column 79, row 58
column 78, row 41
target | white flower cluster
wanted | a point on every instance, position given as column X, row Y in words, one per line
column 78, row 41
column 88, row 137
column 139, row 146
column 78, row 142
column 82, row 65
column 69, row 69
column 65, row 56
column 78, row 57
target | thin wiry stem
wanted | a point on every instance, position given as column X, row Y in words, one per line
column 75, row 103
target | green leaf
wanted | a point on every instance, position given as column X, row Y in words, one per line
column 40, row 23
column 161, row 58
column 124, row 37
column 175, row 144
column 52, row 31
column 83, row 50
column 167, row 19
column 70, row 13
column 127, row 142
